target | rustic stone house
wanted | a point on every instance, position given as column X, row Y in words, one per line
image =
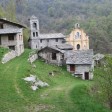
column 38, row 40
column 78, row 38
column 81, row 63
column 55, row 54
column 11, row 36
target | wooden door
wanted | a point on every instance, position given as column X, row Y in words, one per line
column 72, row 68
column 86, row 75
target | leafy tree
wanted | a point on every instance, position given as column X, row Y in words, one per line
column 1, row 12
column 103, row 81
column 10, row 10
column 51, row 11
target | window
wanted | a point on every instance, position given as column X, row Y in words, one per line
column 64, row 41
column 11, row 37
column 34, row 25
column 37, row 34
column 77, row 25
column 1, row 26
column 48, row 40
column 77, row 35
column 41, row 41
column 53, row 56
column 78, row 46
column 0, row 40
column 12, row 47
column 33, row 34
column 56, row 40
column 21, row 37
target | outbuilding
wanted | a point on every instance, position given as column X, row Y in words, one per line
column 55, row 54
column 80, row 63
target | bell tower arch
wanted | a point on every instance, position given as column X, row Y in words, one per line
column 34, row 27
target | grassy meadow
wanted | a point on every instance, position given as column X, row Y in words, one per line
column 65, row 93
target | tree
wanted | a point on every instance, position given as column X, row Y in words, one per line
column 103, row 81
column 1, row 12
column 10, row 10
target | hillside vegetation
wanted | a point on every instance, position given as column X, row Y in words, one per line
column 65, row 93
column 2, row 52
column 95, row 16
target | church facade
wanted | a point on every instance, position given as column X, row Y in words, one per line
column 38, row 40
column 78, row 39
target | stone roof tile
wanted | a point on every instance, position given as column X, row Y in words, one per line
column 52, row 35
column 80, row 57
column 9, row 31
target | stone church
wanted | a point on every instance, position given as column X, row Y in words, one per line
column 38, row 40
column 78, row 38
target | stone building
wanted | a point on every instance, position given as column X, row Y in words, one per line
column 55, row 54
column 38, row 40
column 80, row 63
column 11, row 36
column 78, row 39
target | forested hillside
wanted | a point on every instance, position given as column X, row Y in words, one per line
column 95, row 16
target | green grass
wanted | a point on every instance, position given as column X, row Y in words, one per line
column 65, row 93
column 2, row 52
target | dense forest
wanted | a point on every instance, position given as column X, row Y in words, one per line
column 95, row 16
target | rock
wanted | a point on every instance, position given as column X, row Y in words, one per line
column 35, row 82
column 32, row 78
column 34, row 88
column 46, row 84
column 41, row 84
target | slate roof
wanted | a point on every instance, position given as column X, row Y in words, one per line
column 52, row 47
column 64, row 46
column 13, row 23
column 9, row 31
column 80, row 57
column 52, row 35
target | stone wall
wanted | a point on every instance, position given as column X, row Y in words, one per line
column 32, row 58
column 81, row 69
column 8, row 56
column 38, row 44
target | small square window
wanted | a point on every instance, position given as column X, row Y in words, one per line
column 41, row 41
column 33, row 34
column 12, row 47
column 10, row 37
column 1, row 26
column 37, row 34
column 56, row 40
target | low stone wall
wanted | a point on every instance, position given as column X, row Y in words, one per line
column 8, row 56
column 32, row 58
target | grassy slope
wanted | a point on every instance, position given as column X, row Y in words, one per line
column 2, row 52
column 65, row 94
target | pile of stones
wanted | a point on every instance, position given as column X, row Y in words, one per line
column 35, row 82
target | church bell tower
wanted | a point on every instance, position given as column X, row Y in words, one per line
column 34, row 32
